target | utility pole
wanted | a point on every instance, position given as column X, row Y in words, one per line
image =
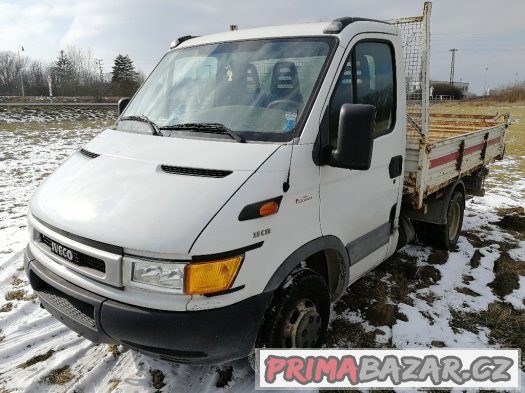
column 485, row 90
column 453, row 51
column 20, row 68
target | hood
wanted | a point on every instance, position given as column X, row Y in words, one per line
column 125, row 198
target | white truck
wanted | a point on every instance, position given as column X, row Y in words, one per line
column 252, row 178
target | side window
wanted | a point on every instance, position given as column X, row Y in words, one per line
column 343, row 94
column 375, row 82
column 367, row 78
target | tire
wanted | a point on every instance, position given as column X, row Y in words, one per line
column 446, row 236
column 298, row 314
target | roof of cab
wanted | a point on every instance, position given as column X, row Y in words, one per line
column 295, row 30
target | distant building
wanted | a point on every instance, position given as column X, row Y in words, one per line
column 460, row 85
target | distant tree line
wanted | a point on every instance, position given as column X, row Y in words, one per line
column 510, row 93
column 75, row 72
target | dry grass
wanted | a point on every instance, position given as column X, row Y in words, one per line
column 114, row 350
column 345, row 334
column 507, row 325
column 37, row 359
column 6, row 307
column 17, row 294
column 505, row 211
column 59, row 376
column 467, row 291
column 510, row 93
column 507, row 272
column 505, row 263
column 475, row 260
column 505, row 283
column 438, row 258
column 113, row 383
column 157, row 379
column 376, row 296
column 16, row 281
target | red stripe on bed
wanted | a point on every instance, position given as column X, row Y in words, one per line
column 438, row 161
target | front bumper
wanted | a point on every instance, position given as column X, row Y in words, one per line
column 199, row 337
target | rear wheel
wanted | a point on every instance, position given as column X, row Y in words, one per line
column 299, row 313
column 444, row 236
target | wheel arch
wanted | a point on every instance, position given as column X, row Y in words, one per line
column 326, row 255
column 437, row 205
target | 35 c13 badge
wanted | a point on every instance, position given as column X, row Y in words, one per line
column 262, row 232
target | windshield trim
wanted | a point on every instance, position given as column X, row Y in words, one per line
column 260, row 136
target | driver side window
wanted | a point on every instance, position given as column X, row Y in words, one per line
column 367, row 78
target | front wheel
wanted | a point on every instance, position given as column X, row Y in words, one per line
column 299, row 313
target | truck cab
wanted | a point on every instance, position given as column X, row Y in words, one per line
column 252, row 178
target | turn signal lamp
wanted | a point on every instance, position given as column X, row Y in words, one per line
column 209, row 277
column 260, row 209
column 268, row 209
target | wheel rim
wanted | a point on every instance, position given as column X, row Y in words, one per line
column 302, row 327
column 453, row 217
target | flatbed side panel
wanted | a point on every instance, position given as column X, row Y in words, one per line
column 450, row 159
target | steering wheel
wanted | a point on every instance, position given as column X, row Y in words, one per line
column 283, row 103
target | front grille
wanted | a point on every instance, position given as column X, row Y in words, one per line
column 76, row 309
column 178, row 170
column 89, row 154
column 79, row 258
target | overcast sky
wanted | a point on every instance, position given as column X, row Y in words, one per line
column 488, row 33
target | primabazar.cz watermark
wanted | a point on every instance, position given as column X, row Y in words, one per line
column 381, row 368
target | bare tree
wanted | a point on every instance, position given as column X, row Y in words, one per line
column 35, row 78
column 10, row 69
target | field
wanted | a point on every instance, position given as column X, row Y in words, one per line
column 471, row 297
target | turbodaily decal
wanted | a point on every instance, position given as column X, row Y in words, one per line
column 302, row 199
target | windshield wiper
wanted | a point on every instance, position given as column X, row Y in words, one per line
column 155, row 130
column 216, row 128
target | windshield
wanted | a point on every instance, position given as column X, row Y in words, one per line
column 258, row 89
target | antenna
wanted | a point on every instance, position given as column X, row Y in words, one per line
column 453, row 51
column 286, row 184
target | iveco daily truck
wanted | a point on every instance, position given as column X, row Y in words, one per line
column 252, row 178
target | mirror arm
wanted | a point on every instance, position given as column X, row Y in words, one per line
column 121, row 105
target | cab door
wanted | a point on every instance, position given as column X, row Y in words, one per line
column 359, row 206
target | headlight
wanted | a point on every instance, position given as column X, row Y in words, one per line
column 168, row 276
column 197, row 278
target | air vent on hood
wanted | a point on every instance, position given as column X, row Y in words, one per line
column 89, row 154
column 178, row 170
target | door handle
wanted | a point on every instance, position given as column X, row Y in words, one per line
column 396, row 166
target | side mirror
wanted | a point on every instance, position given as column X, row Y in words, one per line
column 355, row 137
column 122, row 103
